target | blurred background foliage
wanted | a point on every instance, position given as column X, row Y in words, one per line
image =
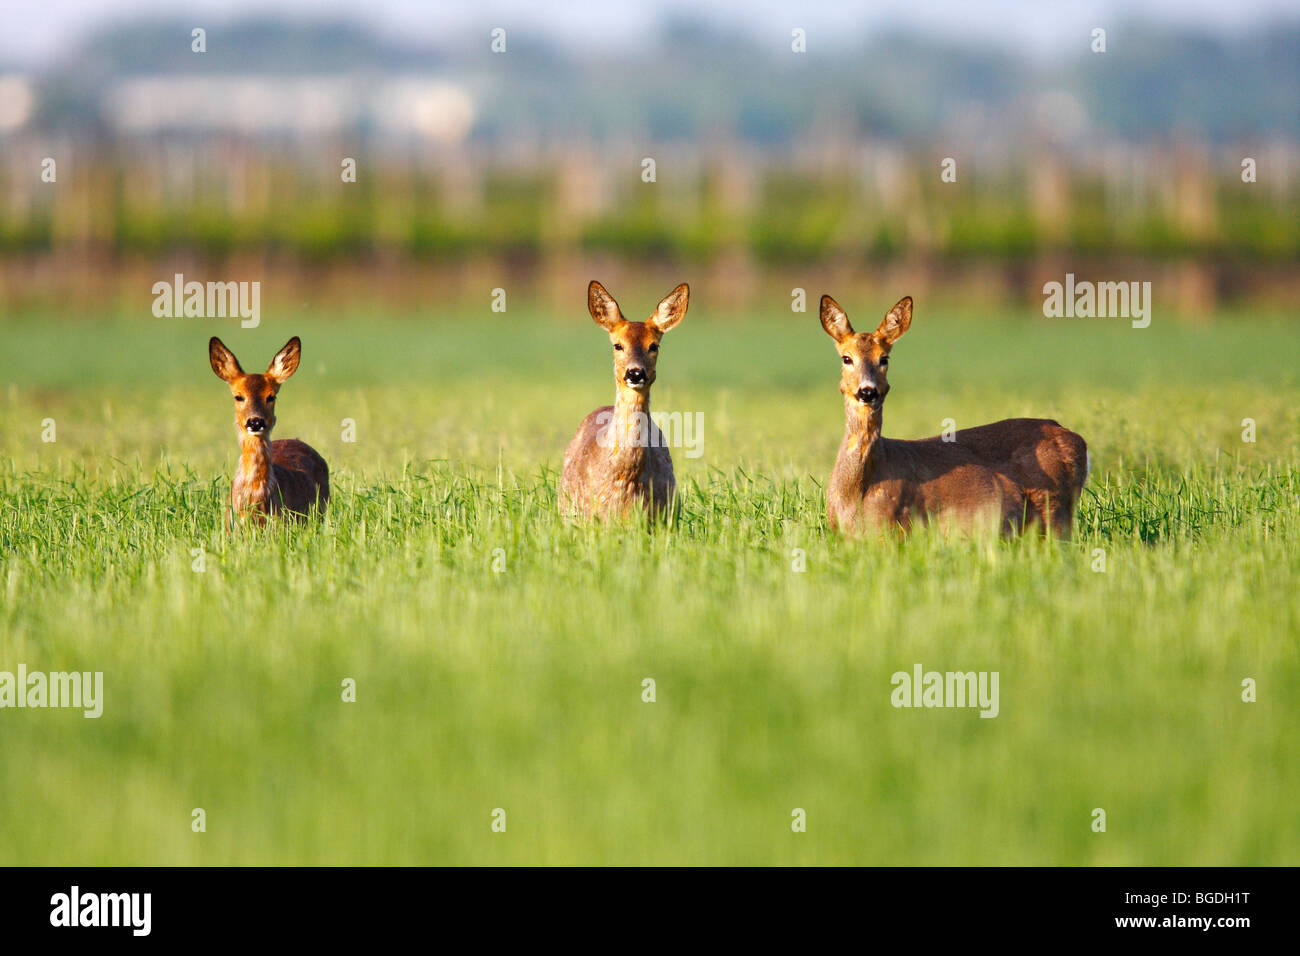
column 531, row 163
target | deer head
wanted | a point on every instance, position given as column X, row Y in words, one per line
column 864, row 356
column 636, row 344
column 254, row 394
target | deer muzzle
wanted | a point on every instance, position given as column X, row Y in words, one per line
column 869, row 394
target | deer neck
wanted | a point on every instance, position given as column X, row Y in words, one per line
column 254, row 482
column 629, row 433
column 862, row 450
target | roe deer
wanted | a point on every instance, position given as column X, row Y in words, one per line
column 617, row 463
column 1005, row 475
column 273, row 475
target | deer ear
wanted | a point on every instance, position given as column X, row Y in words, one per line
column 286, row 360
column 672, row 309
column 602, row 306
column 223, row 360
column 896, row 322
column 834, row 321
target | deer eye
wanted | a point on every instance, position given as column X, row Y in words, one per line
column 239, row 398
column 654, row 348
column 884, row 361
column 848, row 360
column 270, row 398
column 618, row 347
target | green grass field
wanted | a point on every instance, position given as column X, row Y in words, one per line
column 499, row 654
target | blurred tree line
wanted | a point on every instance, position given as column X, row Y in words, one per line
column 844, row 200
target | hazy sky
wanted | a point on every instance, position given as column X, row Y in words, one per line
column 33, row 32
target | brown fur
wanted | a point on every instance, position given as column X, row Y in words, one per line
column 273, row 476
column 1007, row 475
column 617, row 465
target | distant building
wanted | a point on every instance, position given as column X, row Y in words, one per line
column 413, row 108
column 17, row 101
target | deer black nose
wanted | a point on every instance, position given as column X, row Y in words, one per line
column 634, row 376
column 868, row 395
column 255, row 424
